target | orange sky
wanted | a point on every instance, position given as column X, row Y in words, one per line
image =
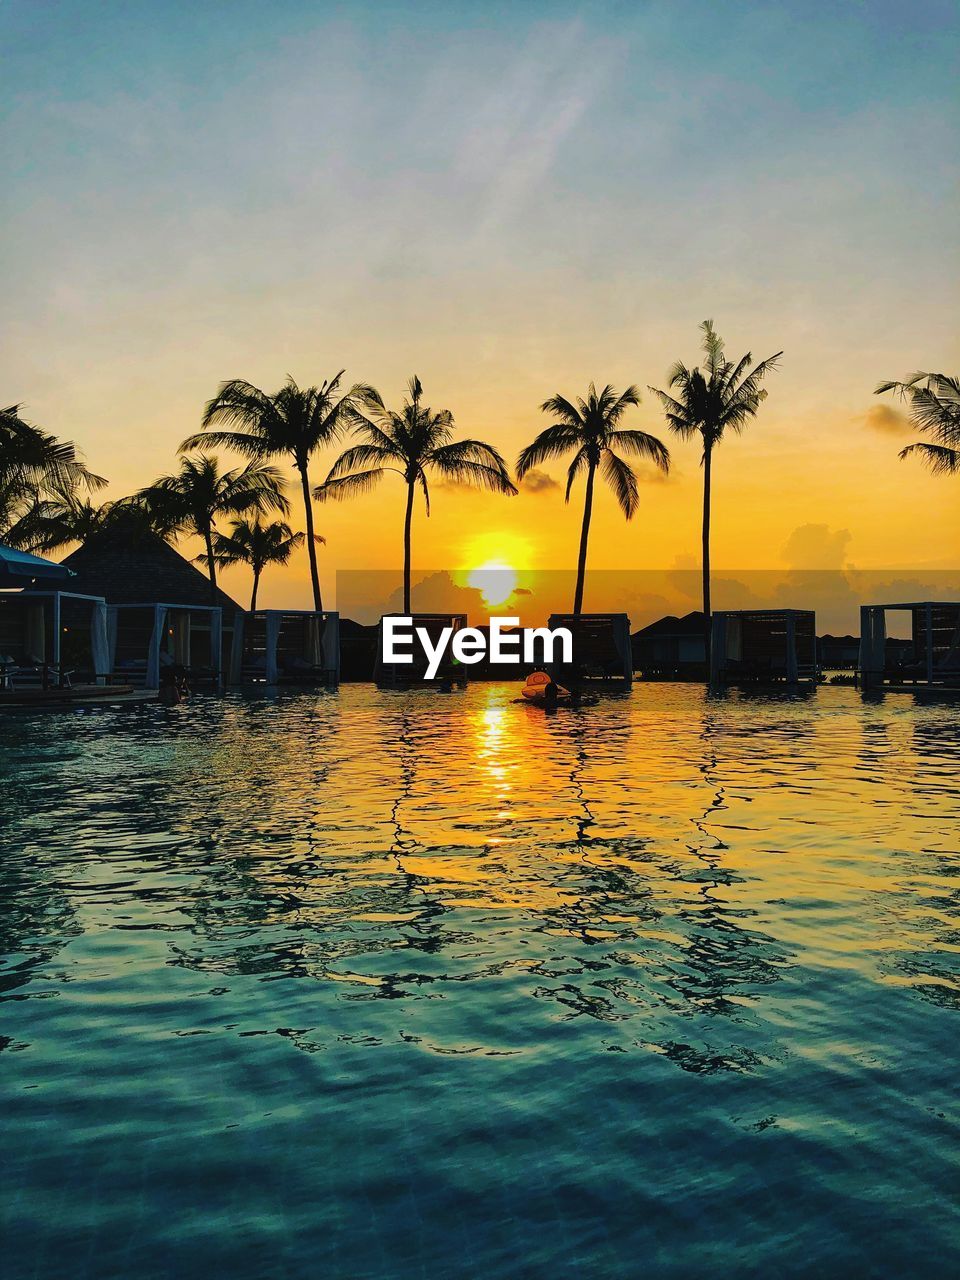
column 509, row 207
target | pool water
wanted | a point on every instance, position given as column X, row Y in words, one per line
column 377, row 984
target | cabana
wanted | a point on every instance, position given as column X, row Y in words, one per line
column 392, row 673
column 601, row 644
column 286, row 646
column 52, row 638
column 145, row 638
column 763, row 646
column 162, row 610
column 933, row 656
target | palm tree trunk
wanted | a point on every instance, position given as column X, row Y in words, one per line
column 256, row 584
column 584, row 535
column 407, row 521
column 311, row 544
column 707, row 624
column 211, row 563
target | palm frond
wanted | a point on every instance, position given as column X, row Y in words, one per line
column 349, row 486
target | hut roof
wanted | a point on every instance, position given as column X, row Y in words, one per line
column 128, row 566
column 691, row 624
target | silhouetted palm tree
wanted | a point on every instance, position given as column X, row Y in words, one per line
column 256, row 544
column 34, row 468
column 934, row 409
column 295, row 422
column 411, row 443
column 724, row 393
column 592, row 428
column 192, row 500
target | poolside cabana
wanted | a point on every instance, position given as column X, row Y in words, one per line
column 409, row 673
column 602, row 647
column 163, row 610
column 933, row 656
column 144, row 639
column 52, row 638
column 763, row 646
column 286, row 646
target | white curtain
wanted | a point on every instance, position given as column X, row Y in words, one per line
column 236, row 650
column 216, row 644
column 156, row 640
column 181, row 639
column 314, row 644
column 273, row 620
column 100, row 644
column 35, row 634
column 873, row 640
column 111, row 637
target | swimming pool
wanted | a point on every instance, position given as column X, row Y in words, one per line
column 373, row 984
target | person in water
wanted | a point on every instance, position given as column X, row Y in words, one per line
column 551, row 695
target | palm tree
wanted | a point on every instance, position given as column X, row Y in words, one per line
column 725, row 393
column 35, row 468
column 592, row 428
column 294, row 422
column 256, row 544
column 192, row 500
column 410, row 442
column 935, row 409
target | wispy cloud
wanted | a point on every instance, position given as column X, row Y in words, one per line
column 884, row 417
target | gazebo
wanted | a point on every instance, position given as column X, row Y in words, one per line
column 286, row 646
column 394, row 673
column 144, row 638
column 52, row 637
column 601, row 644
column 933, row 657
column 763, row 646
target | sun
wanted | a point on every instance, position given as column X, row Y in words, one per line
column 495, row 580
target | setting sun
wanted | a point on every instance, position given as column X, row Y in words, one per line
column 495, row 579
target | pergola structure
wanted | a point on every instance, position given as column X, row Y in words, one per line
column 935, row 632
column 45, row 633
column 763, row 646
column 601, row 644
column 392, row 673
column 144, row 638
column 286, row 646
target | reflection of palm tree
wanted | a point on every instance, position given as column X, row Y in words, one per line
column 294, row 422
column 722, row 394
column 411, row 443
column 935, row 410
column 592, row 428
column 193, row 499
column 257, row 545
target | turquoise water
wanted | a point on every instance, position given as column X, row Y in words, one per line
column 369, row 984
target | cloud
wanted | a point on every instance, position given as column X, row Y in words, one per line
column 817, row 546
column 536, row 481
column 648, row 474
column 884, row 417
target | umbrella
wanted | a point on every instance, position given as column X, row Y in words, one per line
column 20, row 568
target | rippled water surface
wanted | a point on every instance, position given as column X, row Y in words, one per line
column 370, row 984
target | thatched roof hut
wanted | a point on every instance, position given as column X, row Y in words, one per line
column 129, row 565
